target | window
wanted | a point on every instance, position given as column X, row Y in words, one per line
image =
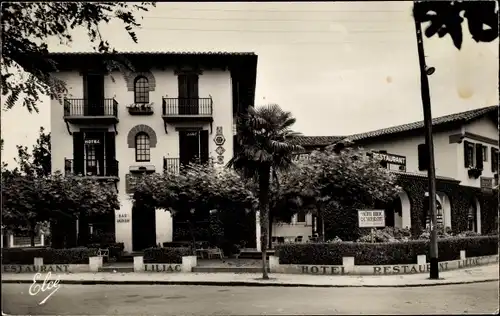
column 141, row 90
column 468, row 154
column 423, row 157
column 142, row 148
column 485, row 153
column 494, row 159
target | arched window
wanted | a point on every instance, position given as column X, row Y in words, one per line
column 141, row 90
column 142, row 147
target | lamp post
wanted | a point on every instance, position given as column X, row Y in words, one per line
column 431, row 171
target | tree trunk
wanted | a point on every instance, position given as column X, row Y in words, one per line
column 32, row 233
column 322, row 228
column 270, row 239
column 264, row 177
column 83, row 229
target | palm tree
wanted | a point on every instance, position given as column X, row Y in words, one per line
column 264, row 149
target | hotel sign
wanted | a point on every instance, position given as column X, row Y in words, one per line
column 371, row 218
column 390, row 158
column 486, row 183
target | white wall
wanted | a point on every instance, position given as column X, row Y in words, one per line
column 216, row 84
column 444, row 152
column 294, row 229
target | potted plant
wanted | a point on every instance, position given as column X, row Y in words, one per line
column 474, row 172
column 141, row 108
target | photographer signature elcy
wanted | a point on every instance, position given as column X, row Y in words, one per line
column 47, row 285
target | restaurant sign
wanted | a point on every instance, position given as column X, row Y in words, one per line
column 389, row 158
column 162, row 268
column 18, row 268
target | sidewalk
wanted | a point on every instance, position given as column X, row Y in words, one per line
column 464, row 276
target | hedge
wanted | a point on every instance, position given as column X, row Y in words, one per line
column 49, row 255
column 166, row 254
column 385, row 253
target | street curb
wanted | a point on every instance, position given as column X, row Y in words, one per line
column 244, row 283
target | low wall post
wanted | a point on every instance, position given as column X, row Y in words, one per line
column 348, row 264
column 138, row 263
column 188, row 263
column 421, row 260
column 95, row 263
column 462, row 255
column 274, row 263
column 38, row 262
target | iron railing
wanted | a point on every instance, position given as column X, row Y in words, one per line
column 88, row 107
column 187, row 106
column 92, row 167
column 175, row 165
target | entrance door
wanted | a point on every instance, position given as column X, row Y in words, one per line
column 193, row 146
column 188, row 94
column 189, row 146
column 143, row 228
column 94, row 154
column 94, row 94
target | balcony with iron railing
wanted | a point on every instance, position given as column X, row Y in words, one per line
column 174, row 165
column 185, row 109
column 81, row 111
column 100, row 169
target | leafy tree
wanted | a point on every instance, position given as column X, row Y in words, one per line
column 28, row 201
column 194, row 192
column 445, row 18
column 333, row 184
column 264, row 150
column 37, row 163
column 26, row 27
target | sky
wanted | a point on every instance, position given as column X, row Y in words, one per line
column 339, row 67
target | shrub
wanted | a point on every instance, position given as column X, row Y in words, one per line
column 166, row 255
column 388, row 234
column 400, row 252
column 115, row 248
column 49, row 255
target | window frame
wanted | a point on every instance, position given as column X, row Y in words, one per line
column 471, row 148
column 141, row 90
column 142, row 148
column 485, row 153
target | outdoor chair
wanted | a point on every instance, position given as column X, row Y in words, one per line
column 214, row 252
column 104, row 253
column 298, row 239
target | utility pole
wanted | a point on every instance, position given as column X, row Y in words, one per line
column 431, row 171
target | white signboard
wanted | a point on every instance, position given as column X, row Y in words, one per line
column 371, row 218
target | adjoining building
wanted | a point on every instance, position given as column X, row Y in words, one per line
column 174, row 108
column 466, row 160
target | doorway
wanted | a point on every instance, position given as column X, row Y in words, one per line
column 188, row 94
column 94, row 94
column 143, row 228
column 193, row 147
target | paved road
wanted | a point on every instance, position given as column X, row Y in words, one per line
column 211, row 300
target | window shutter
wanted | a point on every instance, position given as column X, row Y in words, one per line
column 423, row 157
column 479, row 156
column 494, row 159
column 78, row 153
column 204, row 146
column 111, row 165
column 467, row 161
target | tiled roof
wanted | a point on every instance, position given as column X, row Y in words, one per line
column 161, row 53
column 316, row 140
column 422, row 175
column 461, row 117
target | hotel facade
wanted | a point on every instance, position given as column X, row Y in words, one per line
column 466, row 162
column 174, row 108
